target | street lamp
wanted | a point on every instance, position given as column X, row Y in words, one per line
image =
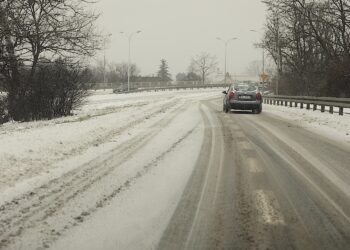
column 105, row 38
column 129, row 36
column 226, row 43
column 263, row 55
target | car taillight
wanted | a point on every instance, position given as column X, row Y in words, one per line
column 231, row 95
column 258, row 95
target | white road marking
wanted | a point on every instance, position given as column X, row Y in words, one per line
column 253, row 166
column 268, row 208
column 206, row 180
column 245, row 145
column 237, row 128
column 314, row 161
column 239, row 135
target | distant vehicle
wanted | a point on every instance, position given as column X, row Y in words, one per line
column 242, row 97
column 122, row 88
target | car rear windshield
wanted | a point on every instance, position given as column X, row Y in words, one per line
column 244, row 88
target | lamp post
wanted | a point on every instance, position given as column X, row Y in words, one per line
column 263, row 55
column 104, row 56
column 129, row 36
column 226, row 43
column 279, row 53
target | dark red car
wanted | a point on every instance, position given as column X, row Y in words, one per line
column 243, row 97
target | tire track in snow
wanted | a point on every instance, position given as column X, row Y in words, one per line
column 26, row 213
column 33, row 166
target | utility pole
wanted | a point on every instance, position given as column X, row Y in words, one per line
column 279, row 59
column 226, row 43
column 263, row 61
column 263, row 56
column 104, row 57
column 129, row 37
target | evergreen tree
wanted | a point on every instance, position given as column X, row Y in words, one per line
column 163, row 72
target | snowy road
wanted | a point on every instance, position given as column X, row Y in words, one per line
column 172, row 171
column 263, row 183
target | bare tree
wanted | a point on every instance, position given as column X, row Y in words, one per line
column 309, row 41
column 35, row 29
column 181, row 77
column 204, row 64
column 254, row 68
column 122, row 71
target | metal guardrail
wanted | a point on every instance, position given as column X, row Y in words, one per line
column 175, row 87
column 323, row 102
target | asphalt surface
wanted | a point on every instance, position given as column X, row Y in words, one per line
column 263, row 183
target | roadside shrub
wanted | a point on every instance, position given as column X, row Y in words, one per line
column 57, row 89
column 3, row 109
column 53, row 90
column 338, row 79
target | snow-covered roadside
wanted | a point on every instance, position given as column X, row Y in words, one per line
column 128, row 159
column 36, row 152
column 153, row 168
column 123, row 224
column 331, row 126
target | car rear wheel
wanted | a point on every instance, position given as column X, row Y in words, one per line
column 225, row 108
column 259, row 109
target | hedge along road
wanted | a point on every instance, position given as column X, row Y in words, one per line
column 263, row 183
column 194, row 178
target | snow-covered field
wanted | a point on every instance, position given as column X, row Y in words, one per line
column 35, row 153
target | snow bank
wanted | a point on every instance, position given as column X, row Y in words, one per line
column 332, row 126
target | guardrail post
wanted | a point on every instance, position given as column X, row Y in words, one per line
column 301, row 105
column 315, row 107
column 322, row 108
column 274, row 102
column 296, row 104
column 286, row 103
column 291, row 104
column 341, row 111
column 331, row 110
column 308, row 106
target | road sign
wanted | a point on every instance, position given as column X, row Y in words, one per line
column 264, row 77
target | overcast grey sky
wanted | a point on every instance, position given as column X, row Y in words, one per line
column 177, row 30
